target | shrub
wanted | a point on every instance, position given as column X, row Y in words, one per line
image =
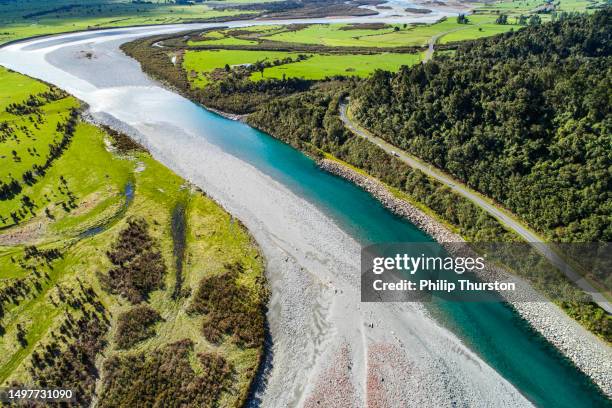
column 136, row 325
column 139, row 267
column 165, row 378
column 229, row 309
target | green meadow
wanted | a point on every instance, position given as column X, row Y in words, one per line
column 321, row 66
column 477, row 27
column 397, row 35
column 26, row 142
column 219, row 38
column 517, row 7
column 200, row 64
column 76, row 212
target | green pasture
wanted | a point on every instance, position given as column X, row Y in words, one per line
column 219, row 38
column 92, row 15
column 96, row 175
column 332, row 35
column 517, row 7
column 235, row 36
column 411, row 35
column 320, row 66
column 317, row 66
column 474, row 30
column 203, row 62
column 81, row 172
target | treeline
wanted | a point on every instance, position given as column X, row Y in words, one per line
column 522, row 117
column 34, row 102
column 242, row 96
column 12, row 188
column 56, row 150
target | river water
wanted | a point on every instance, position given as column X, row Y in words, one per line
column 123, row 96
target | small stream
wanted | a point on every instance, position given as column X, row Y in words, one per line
column 128, row 195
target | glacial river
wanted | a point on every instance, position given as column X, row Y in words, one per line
column 123, row 96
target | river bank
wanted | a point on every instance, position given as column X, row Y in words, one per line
column 582, row 348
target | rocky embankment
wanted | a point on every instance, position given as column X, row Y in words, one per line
column 582, row 348
column 398, row 206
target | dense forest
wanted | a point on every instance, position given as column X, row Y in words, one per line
column 523, row 117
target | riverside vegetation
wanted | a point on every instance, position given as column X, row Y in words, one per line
column 91, row 296
column 538, row 149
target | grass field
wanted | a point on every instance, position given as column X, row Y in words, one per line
column 27, row 143
column 477, row 28
column 240, row 36
column 95, row 174
column 321, row 66
column 204, row 62
column 317, row 66
column 219, row 38
column 517, row 7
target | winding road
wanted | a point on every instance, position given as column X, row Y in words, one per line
column 505, row 217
